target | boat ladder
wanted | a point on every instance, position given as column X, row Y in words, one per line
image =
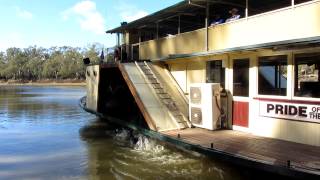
column 166, row 99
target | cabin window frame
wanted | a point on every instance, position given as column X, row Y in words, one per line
column 276, row 77
column 224, row 67
column 304, row 51
column 239, row 58
column 256, row 72
column 290, row 73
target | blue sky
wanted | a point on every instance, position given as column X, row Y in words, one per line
column 75, row 23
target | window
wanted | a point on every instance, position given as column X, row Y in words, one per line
column 257, row 7
column 135, row 52
column 300, row 1
column 241, row 77
column 306, row 76
column 215, row 72
column 272, row 76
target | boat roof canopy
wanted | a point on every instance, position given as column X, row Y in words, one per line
column 195, row 9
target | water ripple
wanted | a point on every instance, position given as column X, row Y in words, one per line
column 45, row 135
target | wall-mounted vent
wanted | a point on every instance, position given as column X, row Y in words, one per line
column 196, row 116
column 195, row 95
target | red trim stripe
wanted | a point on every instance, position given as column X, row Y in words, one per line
column 288, row 101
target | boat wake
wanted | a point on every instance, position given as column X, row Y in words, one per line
column 127, row 154
column 137, row 141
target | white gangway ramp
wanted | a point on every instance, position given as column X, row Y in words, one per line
column 162, row 104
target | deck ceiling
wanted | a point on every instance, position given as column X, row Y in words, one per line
column 193, row 11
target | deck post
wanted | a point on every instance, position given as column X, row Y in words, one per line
column 179, row 28
column 207, row 23
column 139, row 32
column 157, row 35
column 289, row 164
column 118, row 39
column 247, row 5
column 211, row 145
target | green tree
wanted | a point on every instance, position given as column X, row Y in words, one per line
column 52, row 66
column 72, row 66
column 16, row 60
column 92, row 52
column 33, row 67
column 34, row 63
column 68, row 62
column 2, row 65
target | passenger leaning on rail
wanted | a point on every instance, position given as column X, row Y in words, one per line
column 234, row 15
column 217, row 20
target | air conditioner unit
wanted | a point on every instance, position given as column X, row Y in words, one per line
column 204, row 105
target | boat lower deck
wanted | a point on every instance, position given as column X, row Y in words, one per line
column 244, row 149
column 244, row 145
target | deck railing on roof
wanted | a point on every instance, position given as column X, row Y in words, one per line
column 189, row 42
column 301, row 21
column 289, row 23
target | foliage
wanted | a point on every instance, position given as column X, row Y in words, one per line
column 35, row 63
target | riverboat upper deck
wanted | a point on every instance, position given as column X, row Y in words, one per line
column 184, row 29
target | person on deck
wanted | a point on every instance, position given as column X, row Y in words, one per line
column 234, row 15
column 117, row 54
column 217, row 20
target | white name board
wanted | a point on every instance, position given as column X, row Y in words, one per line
column 300, row 112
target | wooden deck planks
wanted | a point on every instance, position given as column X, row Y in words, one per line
column 268, row 150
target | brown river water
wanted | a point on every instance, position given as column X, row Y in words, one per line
column 44, row 134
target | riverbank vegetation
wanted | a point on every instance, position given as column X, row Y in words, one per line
column 38, row 64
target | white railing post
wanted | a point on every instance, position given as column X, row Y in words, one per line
column 207, row 30
column 247, row 5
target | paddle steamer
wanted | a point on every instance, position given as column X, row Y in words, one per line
column 245, row 90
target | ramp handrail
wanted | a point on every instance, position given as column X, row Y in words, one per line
column 169, row 105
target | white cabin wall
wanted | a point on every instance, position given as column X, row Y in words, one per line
column 296, row 131
column 179, row 72
column 187, row 72
column 285, row 129
column 196, row 73
column 193, row 70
